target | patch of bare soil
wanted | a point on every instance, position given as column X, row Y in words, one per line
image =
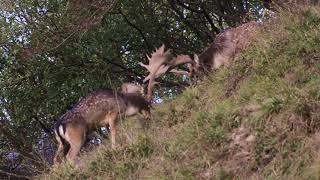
column 240, row 160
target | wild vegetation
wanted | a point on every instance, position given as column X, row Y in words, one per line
column 257, row 119
column 55, row 51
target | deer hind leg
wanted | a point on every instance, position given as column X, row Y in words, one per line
column 59, row 153
column 76, row 138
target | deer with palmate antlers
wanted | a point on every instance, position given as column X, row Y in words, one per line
column 220, row 53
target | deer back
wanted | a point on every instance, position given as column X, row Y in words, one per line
column 93, row 108
column 226, row 45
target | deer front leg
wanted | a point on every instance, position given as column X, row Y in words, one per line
column 113, row 123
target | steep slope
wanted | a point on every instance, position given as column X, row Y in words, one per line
column 258, row 119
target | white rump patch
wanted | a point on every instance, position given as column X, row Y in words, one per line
column 57, row 137
column 61, row 132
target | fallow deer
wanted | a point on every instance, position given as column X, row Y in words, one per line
column 97, row 109
column 226, row 45
column 220, row 53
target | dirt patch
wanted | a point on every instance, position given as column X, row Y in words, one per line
column 241, row 159
column 233, row 85
column 311, row 61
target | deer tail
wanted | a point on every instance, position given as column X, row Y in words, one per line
column 60, row 131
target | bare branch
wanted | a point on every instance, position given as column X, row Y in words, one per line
column 135, row 27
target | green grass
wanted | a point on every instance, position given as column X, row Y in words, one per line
column 265, row 127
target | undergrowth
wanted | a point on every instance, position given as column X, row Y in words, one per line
column 266, row 127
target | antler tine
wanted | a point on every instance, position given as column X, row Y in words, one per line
column 161, row 49
column 179, row 72
column 162, row 70
column 181, row 59
column 151, row 85
column 168, row 52
column 143, row 65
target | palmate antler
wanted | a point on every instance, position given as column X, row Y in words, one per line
column 193, row 65
column 159, row 64
column 156, row 67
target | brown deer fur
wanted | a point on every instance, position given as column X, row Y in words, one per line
column 226, row 45
column 99, row 108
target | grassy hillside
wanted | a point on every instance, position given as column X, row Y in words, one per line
column 258, row 119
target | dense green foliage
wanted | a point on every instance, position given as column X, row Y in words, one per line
column 257, row 120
